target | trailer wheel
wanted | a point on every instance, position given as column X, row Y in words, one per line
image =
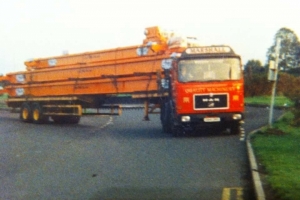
column 57, row 119
column 73, row 119
column 66, row 119
column 37, row 114
column 25, row 113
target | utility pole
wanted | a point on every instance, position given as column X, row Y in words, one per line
column 273, row 73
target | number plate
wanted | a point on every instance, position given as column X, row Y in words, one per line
column 212, row 119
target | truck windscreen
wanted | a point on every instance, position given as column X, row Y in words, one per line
column 213, row 69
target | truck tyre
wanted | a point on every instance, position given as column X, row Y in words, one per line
column 26, row 113
column 170, row 124
column 235, row 128
column 37, row 114
column 166, row 118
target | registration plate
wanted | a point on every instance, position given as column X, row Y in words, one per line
column 212, row 119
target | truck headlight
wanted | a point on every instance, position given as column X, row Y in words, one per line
column 237, row 116
column 185, row 119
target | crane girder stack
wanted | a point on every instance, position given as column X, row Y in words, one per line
column 105, row 57
column 128, row 70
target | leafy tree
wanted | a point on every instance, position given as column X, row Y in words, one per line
column 256, row 83
column 294, row 71
column 253, row 67
column 289, row 49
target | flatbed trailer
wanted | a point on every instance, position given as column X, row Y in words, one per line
column 63, row 87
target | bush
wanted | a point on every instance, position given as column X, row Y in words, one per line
column 257, row 85
column 287, row 85
column 290, row 88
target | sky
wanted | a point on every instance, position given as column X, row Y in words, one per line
column 36, row 29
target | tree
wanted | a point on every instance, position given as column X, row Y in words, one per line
column 289, row 49
column 256, row 83
column 253, row 67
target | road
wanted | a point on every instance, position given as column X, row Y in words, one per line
column 121, row 157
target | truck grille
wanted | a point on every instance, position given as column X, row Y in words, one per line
column 211, row 101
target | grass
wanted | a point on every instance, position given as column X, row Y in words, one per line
column 3, row 96
column 266, row 100
column 2, row 100
column 278, row 150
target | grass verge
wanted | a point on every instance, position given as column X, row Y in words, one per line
column 2, row 101
column 266, row 100
column 3, row 96
column 278, row 150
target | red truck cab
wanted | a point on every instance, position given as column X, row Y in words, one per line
column 206, row 89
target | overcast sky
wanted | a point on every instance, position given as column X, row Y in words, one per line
column 45, row 28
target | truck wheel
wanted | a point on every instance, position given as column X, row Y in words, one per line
column 166, row 117
column 25, row 113
column 37, row 114
column 176, row 131
column 235, row 128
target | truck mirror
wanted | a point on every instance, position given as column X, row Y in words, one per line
column 166, row 64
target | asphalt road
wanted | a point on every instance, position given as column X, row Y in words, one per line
column 121, row 157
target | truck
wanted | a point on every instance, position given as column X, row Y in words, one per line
column 190, row 85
